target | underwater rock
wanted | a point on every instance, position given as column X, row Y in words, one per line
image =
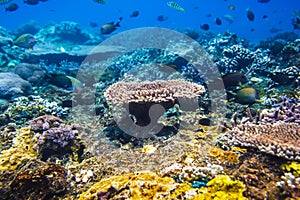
column 35, row 74
column 67, row 32
column 12, row 85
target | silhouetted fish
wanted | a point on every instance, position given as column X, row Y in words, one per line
column 12, row 7
column 234, row 79
column 229, row 18
column 218, row 21
column 161, row 18
column 250, row 15
column 135, row 13
column 100, row 1
column 31, row 2
column 263, row 1
column 110, row 27
column 231, row 7
column 204, row 27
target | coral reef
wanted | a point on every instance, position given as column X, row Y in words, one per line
column 66, row 32
column 222, row 187
column 55, row 139
column 12, row 85
column 22, row 109
column 143, row 186
column 39, row 180
column 20, row 152
column 239, row 58
column 285, row 110
column 279, row 139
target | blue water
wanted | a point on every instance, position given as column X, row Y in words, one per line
column 279, row 14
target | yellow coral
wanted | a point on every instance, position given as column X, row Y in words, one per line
column 222, row 187
column 138, row 186
column 293, row 167
column 229, row 156
column 21, row 150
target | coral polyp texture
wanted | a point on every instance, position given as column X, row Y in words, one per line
column 158, row 91
column 279, row 139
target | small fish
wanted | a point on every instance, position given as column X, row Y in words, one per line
column 229, row 18
column 247, row 95
column 93, row 24
column 218, row 21
column 135, row 13
column 110, row 27
column 265, row 16
column 60, row 80
column 43, row 0
column 4, row 1
column 31, row 2
column 231, row 7
column 76, row 84
column 175, row 6
column 204, row 27
column 161, row 18
column 12, row 7
column 25, row 41
column 234, row 79
column 281, row 78
column 250, row 15
column 101, row 2
column 263, row 1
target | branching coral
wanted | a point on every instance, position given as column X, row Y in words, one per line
column 55, row 138
column 279, row 139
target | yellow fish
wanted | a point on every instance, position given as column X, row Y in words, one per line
column 175, row 5
column 100, row 1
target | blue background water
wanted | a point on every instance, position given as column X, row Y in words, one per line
column 279, row 14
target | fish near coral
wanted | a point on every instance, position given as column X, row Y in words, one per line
column 234, row 79
column 218, row 21
column 247, row 95
column 110, row 27
column 26, row 41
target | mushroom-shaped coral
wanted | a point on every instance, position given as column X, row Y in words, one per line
column 141, row 96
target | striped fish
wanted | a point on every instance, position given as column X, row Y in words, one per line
column 4, row 1
column 175, row 6
column 98, row 1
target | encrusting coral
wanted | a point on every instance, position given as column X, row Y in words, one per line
column 222, row 187
column 21, row 151
column 142, row 186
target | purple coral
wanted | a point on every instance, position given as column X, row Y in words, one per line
column 286, row 110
